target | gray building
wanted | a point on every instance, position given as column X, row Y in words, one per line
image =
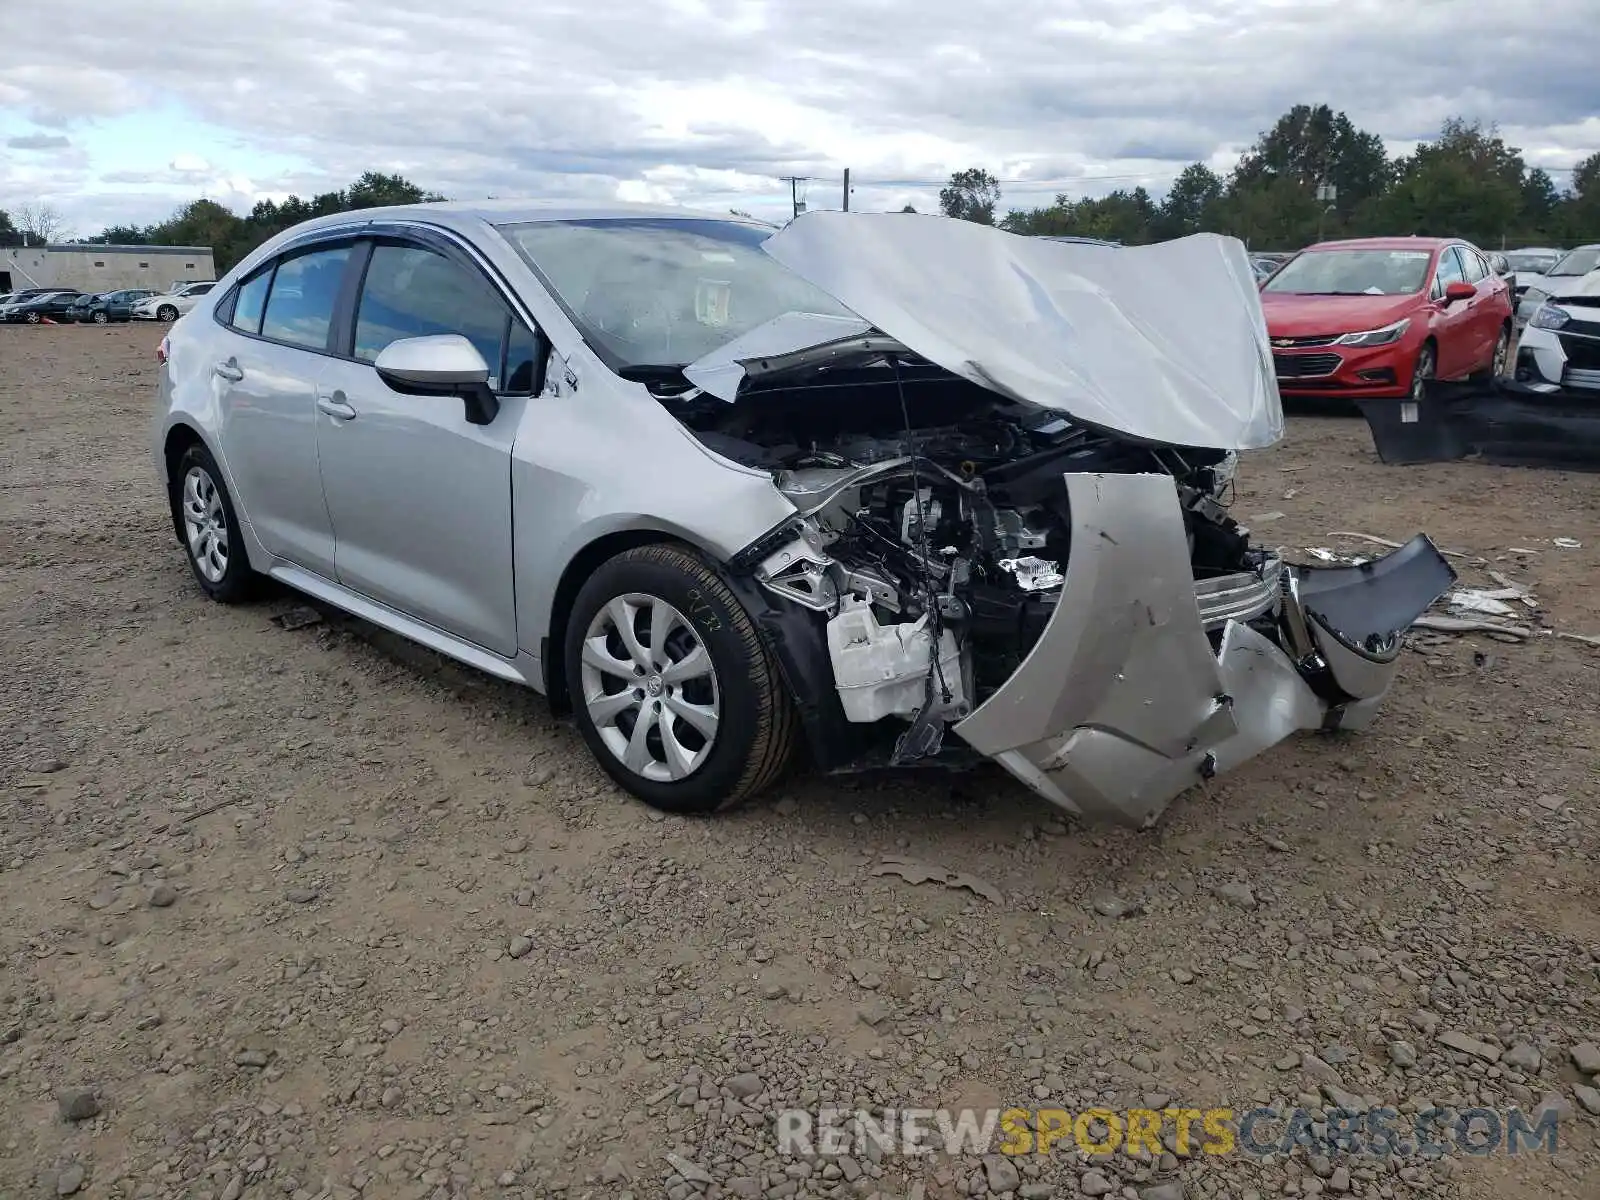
column 90, row 267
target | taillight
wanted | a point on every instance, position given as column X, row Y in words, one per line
column 162, row 351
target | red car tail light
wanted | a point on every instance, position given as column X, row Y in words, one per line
column 162, row 351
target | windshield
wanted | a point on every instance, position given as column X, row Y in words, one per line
column 1352, row 273
column 662, row 292
column 1536, row 263
column 1578, row 262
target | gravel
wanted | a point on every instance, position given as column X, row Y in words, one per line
column 418, row 946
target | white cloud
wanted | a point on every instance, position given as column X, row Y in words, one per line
column 711, row 101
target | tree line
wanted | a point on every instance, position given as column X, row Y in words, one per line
column 1314, row 175
column 230, row 236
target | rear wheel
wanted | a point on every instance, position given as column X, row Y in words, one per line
column 1497, row 364
column 211, row 529
column 672, row 687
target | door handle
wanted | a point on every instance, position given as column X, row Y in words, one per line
column 335, row 406
column 229, row 370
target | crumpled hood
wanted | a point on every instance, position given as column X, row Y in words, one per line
column 1164, row 343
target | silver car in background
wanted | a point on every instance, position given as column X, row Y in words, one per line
column 907, row 489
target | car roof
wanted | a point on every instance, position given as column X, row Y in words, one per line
column 1390, row 243
column 463, row 215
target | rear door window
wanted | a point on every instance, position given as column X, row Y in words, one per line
column 1471, row 264
column 304, row 291
column 412, row 292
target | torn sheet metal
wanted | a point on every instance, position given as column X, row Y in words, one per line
column 1165, row 343
column 1123, row 702
column 722, row 371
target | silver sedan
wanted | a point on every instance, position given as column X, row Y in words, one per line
column 903, row 489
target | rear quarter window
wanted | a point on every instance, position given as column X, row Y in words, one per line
column 250, row 301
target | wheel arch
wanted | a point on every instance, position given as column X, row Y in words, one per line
column 179, row 438
column 552, row 653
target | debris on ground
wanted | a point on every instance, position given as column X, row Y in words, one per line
column 298, row 617
column 919, row 872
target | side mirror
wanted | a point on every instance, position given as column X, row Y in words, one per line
column 444, row 364
column 1460, row 290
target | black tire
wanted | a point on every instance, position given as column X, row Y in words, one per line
column 32, row 318
column 1427, row 365
column 238, row 581
column 1497, row 364
column 100, row 318
column 757, row 725
column 166, row 313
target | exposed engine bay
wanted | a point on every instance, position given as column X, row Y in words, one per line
column 934, row 530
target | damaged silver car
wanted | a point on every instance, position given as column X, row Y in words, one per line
column 911, row 490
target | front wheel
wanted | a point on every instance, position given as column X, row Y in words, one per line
column 166, row 313
column 672, row 687
column 1422, row 373
column 32, row 318
column 100, row 318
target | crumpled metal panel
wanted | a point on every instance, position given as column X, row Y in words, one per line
column 1099, row 773
column 1122, row 703
column 1166, row 343
column 1125, row 649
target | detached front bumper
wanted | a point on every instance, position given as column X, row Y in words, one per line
column 1125, row 700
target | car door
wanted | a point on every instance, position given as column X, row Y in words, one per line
column 1452, row 322
column 1481, row 322
column 419, row 497
column 280, row 320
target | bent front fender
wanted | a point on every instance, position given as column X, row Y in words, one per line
column 1124, row 701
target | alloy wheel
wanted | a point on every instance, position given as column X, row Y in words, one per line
column 1502, row 350
column 650, row 687
column 33, row 318
column 205, row 524
column 167, row 313
column 100, row 318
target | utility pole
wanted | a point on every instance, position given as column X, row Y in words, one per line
column 794, row 181
column 847, row 189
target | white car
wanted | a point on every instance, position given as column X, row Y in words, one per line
column 169, row 306
column 1534, row 290
column 1528, row 266
column 1561, row 345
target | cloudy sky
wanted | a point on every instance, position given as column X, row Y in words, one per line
column 117, row 112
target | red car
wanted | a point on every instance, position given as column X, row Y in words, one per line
column 1373, row 318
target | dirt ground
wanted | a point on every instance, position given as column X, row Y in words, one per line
column 306, row 912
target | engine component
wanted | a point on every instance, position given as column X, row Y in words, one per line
column 1033, row 574
column 800, row 571
column 919, row 516
column 872, row 585
column 882, row 671
column 1014, row 532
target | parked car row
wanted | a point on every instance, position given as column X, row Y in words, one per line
column 68, row 306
